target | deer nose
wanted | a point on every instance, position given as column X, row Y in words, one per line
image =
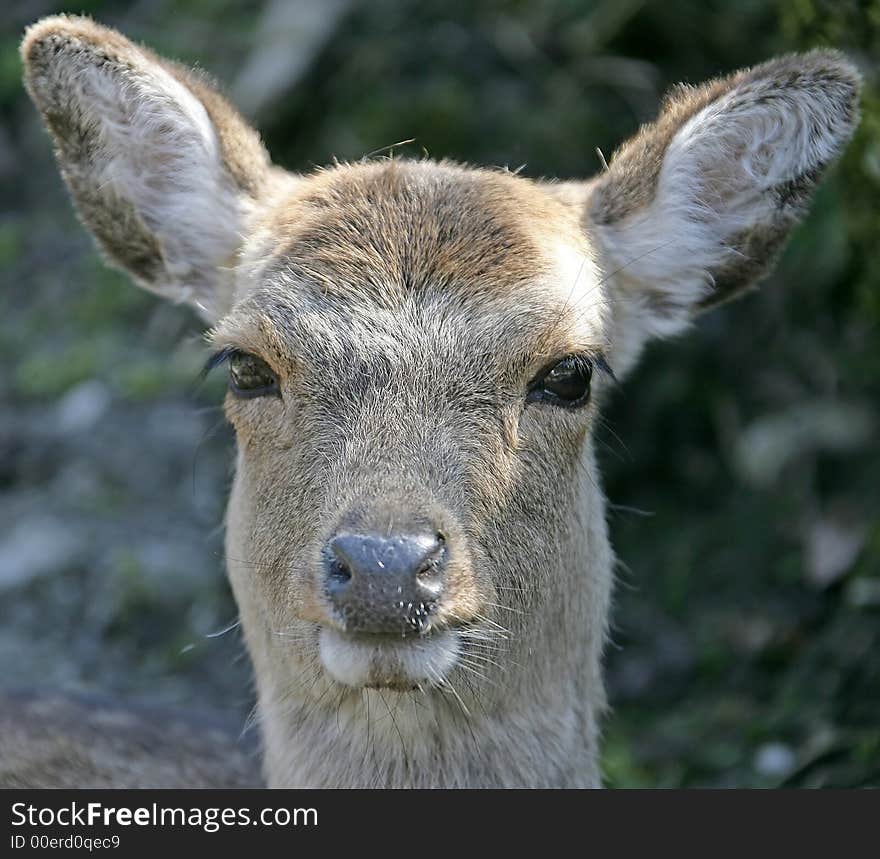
column 385, row 584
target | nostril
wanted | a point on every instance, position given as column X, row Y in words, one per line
column 429, row 575
column 338, row 573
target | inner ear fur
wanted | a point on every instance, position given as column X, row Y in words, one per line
column 161, row 168
column 697, row 205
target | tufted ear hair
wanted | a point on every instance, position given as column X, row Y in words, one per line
column 694, row 209
column 161, row 168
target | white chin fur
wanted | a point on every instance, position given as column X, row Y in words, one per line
column 359, row 662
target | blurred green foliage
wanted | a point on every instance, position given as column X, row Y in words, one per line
column 746, row 642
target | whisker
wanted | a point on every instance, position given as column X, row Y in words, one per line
column 244, row 563
column 489, row 620
column 505, row 608
column 233, row 625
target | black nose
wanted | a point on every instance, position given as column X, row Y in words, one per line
column 385, row 584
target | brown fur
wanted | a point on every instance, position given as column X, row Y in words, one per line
column 631, row 181
column 243, row 152
column 405, row 309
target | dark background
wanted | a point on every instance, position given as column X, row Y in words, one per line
column 742, row 459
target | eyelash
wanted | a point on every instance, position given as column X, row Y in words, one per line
column 583, row 362
column 595, row 360
column 227, row 355
column 217, row 359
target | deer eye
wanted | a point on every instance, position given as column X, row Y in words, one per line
column 250, row 376
column 566, row 383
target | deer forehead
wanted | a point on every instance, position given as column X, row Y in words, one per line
column 397, row 254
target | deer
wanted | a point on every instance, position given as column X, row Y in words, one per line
column 417, row 354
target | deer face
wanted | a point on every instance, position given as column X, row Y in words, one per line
column 416, row 350
column 429, row 344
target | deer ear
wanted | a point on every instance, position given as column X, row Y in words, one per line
column 161, row 169
column 693, row 210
